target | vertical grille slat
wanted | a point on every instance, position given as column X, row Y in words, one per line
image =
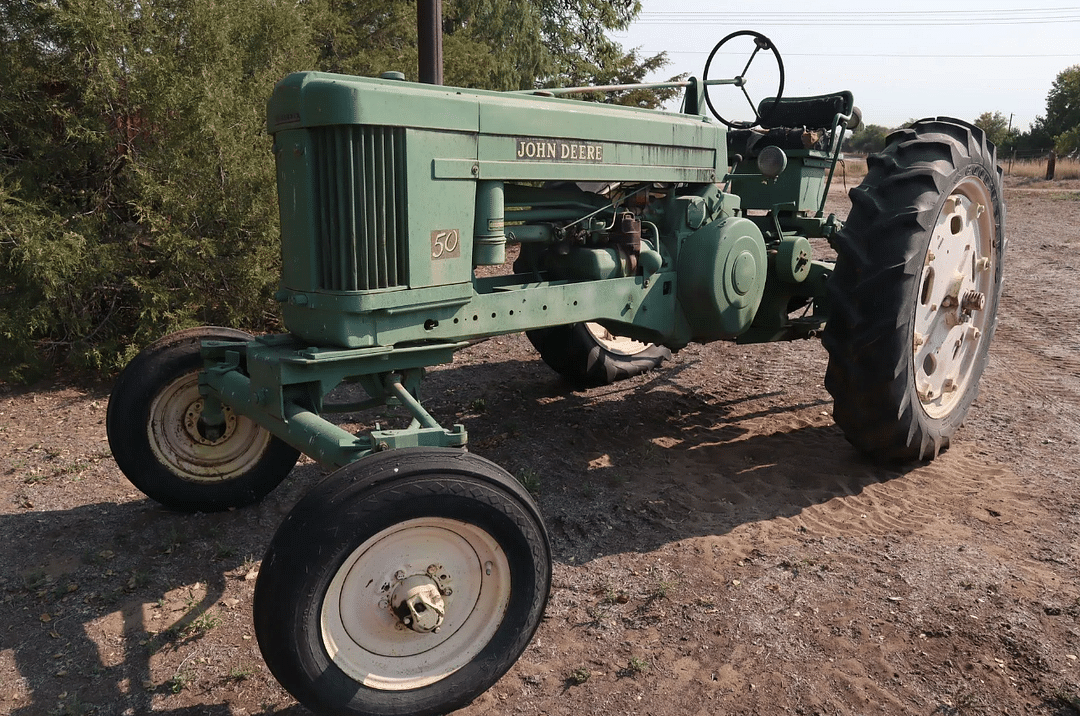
column 360, row 214
column 379, row 261
column 323, row 187
column 394, row 257
column 344, row 188
column 371, row 207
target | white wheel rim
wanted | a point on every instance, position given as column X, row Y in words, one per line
column 176, row 441
column 366, row 639
column 615, row 344
column 960, row 266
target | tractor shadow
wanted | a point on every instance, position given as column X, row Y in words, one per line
column 119, row 604
column 661, row 457
column 130, row 608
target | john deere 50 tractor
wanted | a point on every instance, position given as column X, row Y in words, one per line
column 411, row 579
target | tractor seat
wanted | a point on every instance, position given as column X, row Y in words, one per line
column 795, row 123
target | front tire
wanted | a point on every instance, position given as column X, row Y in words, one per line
column 914, row 296
column 446, row 529
column 155, row 434
column 588, row 355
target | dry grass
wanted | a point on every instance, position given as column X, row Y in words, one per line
column 1036, row 168
column 855, row 167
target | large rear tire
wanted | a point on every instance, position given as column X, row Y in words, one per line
column 588, row 355
column 158, row 441
column 447, row 532
column 914, row 296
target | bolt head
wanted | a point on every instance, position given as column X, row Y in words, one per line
column 399, row 575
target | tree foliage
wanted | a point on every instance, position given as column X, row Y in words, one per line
column 133, row 186
column 1059, row 128
column 996, row 126
column 866, row 139
column 1062, row 120
column 136, row 181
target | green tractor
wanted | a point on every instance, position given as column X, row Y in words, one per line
column 411, row 579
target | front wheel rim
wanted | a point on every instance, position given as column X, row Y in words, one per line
column 177, row 441
column 954, row 307
column 367, row 639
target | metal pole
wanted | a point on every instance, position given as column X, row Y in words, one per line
column 429, row 40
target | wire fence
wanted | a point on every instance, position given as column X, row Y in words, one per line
column 1025, row 165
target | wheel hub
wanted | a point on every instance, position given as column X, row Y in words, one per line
column 195, row 449
column 418, row 604
column 201, row 432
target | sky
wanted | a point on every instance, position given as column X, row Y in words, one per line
column 901, row 61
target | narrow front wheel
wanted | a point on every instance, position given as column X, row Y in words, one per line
column 406, row 583
column 164, row 447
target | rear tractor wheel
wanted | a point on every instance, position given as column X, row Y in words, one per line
column 914, row 296
column 588, row 355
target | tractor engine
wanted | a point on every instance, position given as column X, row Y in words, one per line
column 392, row 193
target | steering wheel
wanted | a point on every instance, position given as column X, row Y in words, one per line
column 761, row 43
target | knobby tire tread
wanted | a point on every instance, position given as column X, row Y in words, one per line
column 880, row 255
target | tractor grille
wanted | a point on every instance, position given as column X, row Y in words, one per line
column 360, row 207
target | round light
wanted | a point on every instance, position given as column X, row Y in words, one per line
column 771, row 162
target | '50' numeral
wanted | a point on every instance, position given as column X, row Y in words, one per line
column 445, row 244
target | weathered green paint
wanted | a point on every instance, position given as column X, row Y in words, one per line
column 392, row 193
column 803, row 181
column 722, row 278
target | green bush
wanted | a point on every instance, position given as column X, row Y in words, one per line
column 137, row 186
column 136, row 179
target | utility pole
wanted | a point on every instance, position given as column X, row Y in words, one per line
column 429, row 40
column 1008, row 133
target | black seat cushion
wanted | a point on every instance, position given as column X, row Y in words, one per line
column 814, row 112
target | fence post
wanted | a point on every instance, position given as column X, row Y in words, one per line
column 1050, row 164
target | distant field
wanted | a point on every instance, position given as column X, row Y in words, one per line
column 855, row 166
column 1036, row 168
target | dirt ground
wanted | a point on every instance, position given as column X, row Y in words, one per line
column 719, row 547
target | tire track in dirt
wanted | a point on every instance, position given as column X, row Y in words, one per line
column 795, row 482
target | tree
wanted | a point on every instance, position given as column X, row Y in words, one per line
column 996, row 126
column 1060, row 128
column 136, row 187
column 1063, row 101
column 1063, row 110
column 866, row 139
column 137, row 191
